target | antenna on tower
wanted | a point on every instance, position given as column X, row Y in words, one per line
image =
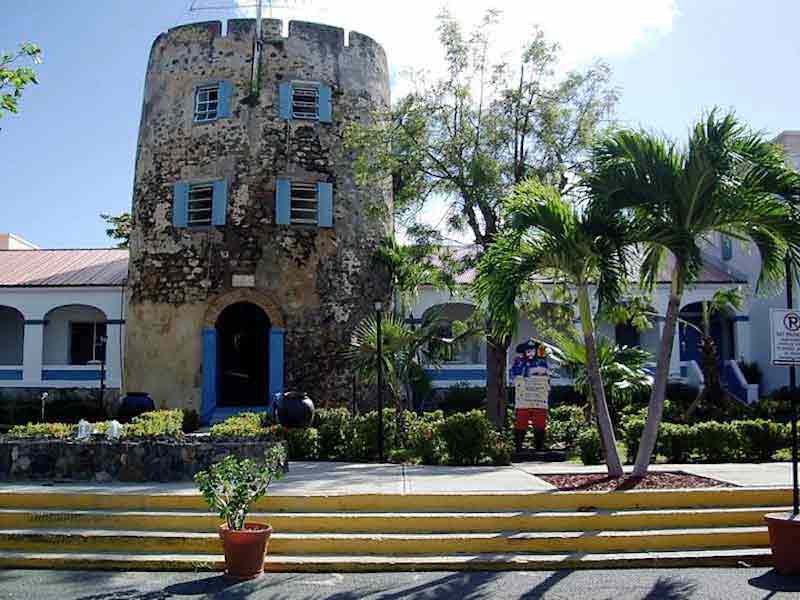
column 258, row 38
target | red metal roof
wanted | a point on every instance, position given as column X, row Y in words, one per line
column 88, row 267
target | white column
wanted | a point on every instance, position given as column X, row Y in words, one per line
column 32, row 352
column 675, row 357
column 113, row 353
column 741, row 343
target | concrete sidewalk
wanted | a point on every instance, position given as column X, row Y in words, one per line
column 339, row 478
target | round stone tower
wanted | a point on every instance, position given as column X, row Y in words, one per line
column 252, row 250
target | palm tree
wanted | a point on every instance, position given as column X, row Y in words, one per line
column 727, row 180
column 547, row 237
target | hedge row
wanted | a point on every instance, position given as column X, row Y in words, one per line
column 154, row 424
column 711, row 441
column 430, row 438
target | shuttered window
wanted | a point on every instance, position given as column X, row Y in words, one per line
column 305, row 100
column 200, row 204
column 301, row 203
column 212, row 101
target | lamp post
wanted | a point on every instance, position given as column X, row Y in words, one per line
column 379, row 358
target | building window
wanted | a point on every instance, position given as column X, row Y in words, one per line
column 200, row 205
column 303, row 208
column 305, row 101
column 303, row 203
column 206, row 103
column 727, row 247
column 87, row 342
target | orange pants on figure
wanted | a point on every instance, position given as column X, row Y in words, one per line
column 525, row 417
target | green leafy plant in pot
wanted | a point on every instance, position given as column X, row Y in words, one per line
column 231, row 487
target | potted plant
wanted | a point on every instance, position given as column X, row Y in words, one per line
column 784, row 540
column 231, row 487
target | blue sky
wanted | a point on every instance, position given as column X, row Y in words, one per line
column 69, row 154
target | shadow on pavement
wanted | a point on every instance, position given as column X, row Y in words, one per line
column 773, row 582
column 667, row 588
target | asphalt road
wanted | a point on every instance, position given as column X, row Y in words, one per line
column 668, row 584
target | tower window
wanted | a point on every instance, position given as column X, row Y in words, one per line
column 199, row 207
column 305, row 101
column 206, row 103
column 304, row 203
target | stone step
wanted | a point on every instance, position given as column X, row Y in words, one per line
column 161, row 542
column 388, row 522
column 155, row 498
column 361, row 563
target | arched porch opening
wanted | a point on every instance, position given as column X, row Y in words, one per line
column 12, row 336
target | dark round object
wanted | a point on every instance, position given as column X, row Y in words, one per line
column 295, row 409
column 133, row 404
column 529, row 345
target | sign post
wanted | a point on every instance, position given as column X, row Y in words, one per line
column 785, row 336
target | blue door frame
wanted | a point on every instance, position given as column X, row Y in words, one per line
column 211, row 375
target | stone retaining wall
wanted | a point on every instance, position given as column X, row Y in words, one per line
column 105, row 460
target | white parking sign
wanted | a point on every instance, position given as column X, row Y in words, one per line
column 785, row 335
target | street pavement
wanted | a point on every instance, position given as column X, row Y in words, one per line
column 651, row 584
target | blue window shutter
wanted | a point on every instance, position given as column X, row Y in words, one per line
column 325, row 111
column 225, row 93
column 283, row 194
column 727, row 247
column 180, row 203
column 324, row 204
column 285, row 93
column 209, row 397
column 276, row 350
column 219, row 202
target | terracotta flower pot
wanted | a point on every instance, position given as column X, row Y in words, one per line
column 245, row 550
column 784, row 539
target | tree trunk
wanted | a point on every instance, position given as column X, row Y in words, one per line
column 593, row 369
column 655, row 408
column 496, row 380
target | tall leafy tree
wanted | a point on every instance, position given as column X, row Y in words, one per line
column 464, row 139
column 580, row 251
column 15, row 77
column 726, row 180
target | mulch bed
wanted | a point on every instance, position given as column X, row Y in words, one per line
column 598, row 482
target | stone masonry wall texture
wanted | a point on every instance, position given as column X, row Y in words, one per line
column 317, row 282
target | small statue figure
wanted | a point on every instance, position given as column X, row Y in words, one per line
column 530, row 374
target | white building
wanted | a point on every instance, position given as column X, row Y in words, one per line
column 61, row 317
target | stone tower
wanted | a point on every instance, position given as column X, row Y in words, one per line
column 252, row 250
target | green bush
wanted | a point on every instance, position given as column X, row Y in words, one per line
column 717, row 442
column 589, row 447
column 761, row 438
column 42, row 430
column 191, row 421
column 335, row 432
column 466, row 436
column 564, row 423
column 675, row 442
column 423, row 439
column 243, row 425
column 777, row 406
column 500, row 447
column 156, row 424
column 631, row 433
column 364, row 441
column 302, row 443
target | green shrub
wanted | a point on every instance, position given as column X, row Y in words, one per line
column 233, row 485
column 364, row 441
column 335, row 432
column 423, row 439
column 589, row 447
column 631, row 434
column 302, row 443
column 156, row 424
column 676, row 442
column 243, row 425
column 466, row 436
column 717, row 442
column 500, row 447
column 564, row 423
column 761, row 438
column 777, row 406
column 42, row 430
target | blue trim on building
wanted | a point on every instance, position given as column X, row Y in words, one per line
column 276, row 349
column 209, row 394
column 115, row 322
column 68, row 375
column 36, row 322
column 740, row 318
column 11, row 375
column 456, row 374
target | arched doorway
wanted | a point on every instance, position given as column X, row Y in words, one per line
column 721, row 332
column 243, row 355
